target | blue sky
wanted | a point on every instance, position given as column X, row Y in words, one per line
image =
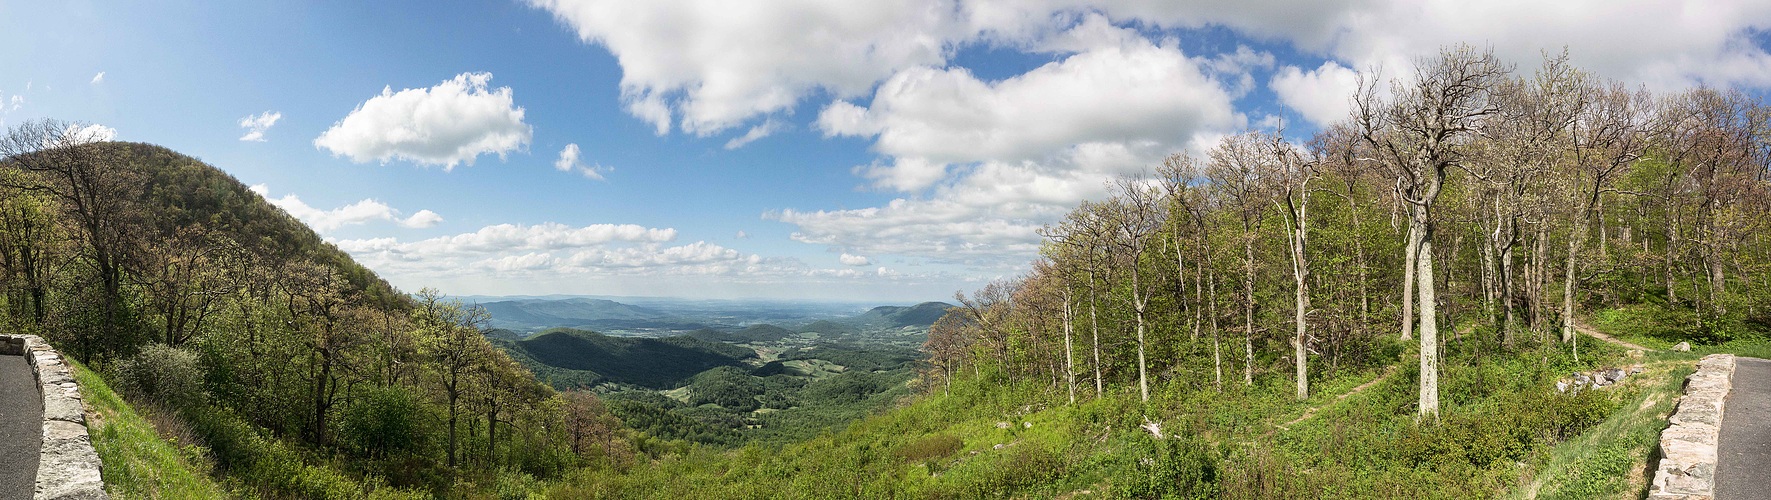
column 893, row 151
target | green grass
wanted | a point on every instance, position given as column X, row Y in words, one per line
column 1613, row 459
column 138, row 462
column 1658, row 327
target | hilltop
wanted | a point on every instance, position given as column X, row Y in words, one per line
column 568, row 357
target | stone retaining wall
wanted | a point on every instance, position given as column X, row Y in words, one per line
column 1687, row 468
column 68, row 467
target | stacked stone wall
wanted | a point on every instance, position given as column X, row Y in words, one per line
column 68, row 468
column 1687, row 468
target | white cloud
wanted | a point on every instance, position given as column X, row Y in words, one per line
column 1663, row 44
column 256, row 125
column 983, row 162
column 1322, row 95
column 422, row 219
column 1133, row 93
column 361, row 212
column 762, row 130
column 98, row 78
column 569, row 161
column 854, row 260
column 550, row 248
column 451, row 123
column 89, row 133
column 713, row 64
column 742, row 235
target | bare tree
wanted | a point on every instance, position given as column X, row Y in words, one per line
column 68, row 163
column 1240, row 169
column 1136, row 214
column 1417, row 133
column 1295, row 173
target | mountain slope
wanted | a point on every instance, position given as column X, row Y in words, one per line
column 648, row 362
column 921, row 315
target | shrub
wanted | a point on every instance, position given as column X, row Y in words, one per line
column 1171, row 468
column 930, row 448
column 167, row 376
column 386, row 421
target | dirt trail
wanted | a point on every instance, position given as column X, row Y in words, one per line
column 1590, row 332
column 1362, row 387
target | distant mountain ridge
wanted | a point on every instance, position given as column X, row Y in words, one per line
column 728, row 325
column 598, row 314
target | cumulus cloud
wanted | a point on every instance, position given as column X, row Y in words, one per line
column 361, row 212
column 710, row 65
column 854, row 260
column 975, row 223
column 569, row 161
column 1661, row 44
column 983, row 162
column 764, row 129
column 550, row 248
column 1127, row 94
column 256, row 125
column 451, row 123
column 98, row 78
column 89, row 133
column 1322, row 95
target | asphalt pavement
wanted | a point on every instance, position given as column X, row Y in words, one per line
column 21, row 428
column 1744, row 455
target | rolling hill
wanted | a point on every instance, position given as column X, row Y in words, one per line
column 568, row 357
column 920, row 315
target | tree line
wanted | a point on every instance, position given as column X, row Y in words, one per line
column 120, row 253
column 1467, row 200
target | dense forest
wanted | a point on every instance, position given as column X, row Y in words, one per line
column 1379, row 311
column 233, row 326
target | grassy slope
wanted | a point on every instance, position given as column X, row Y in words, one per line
column 1503, row 432
column 138, row 461
column 1615, row 459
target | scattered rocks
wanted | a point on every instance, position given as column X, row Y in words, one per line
column 1597, row 378
column 1682, row 347
column 1002, row 425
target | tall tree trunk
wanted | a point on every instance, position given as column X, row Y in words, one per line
column 1574, row 241
column 1217, row 353
column 1506, row 284
column 1429, row 324
column 1069, row 360
column 1248, row 306
column 1094, row 322
column 1364, row 285
column 1672, row 245
column 1137, row 300
column 1299, row 233
column 1539, row 257
column 1411, row 256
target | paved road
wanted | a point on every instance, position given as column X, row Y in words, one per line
column 1744, row 456
column 21, row 428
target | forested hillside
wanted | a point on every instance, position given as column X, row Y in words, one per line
column 291, row 370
